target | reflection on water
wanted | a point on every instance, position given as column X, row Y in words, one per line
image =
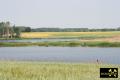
column 67, row 54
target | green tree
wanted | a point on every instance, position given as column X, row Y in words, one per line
column 17, row 31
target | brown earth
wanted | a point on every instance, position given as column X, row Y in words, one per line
column 111, row 39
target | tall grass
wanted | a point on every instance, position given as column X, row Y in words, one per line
column 50, row 71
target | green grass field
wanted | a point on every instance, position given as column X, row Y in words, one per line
column 51, row 71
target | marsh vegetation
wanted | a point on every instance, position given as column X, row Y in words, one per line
column 62, row 44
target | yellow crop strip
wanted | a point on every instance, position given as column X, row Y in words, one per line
column 66, row 34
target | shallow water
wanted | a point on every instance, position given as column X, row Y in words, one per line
column 65, row 54
column 39, row 40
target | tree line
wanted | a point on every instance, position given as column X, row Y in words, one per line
column 73, row 29
column 29, row 29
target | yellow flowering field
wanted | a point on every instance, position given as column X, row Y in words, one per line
column 69, row 34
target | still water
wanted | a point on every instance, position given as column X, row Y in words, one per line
column 40, row 40
column 62, row 54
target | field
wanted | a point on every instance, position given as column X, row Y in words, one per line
column 51, row 71
column 80, row 35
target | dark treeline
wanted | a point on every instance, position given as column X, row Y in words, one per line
column 72, row 29
column 29, row 29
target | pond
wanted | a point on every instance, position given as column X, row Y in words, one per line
column 40, row 40
column 62, row 54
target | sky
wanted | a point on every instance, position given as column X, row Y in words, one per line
column 61, row 13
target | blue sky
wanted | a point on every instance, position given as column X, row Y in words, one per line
column 61, row 13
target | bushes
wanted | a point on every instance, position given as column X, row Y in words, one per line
column 102, row 44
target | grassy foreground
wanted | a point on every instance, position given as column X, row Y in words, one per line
column 63, row 44
column 51, row 71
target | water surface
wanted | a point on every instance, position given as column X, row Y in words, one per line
column 39, row 40
column 65, row 54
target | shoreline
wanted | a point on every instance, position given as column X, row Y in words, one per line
column 62, row 44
